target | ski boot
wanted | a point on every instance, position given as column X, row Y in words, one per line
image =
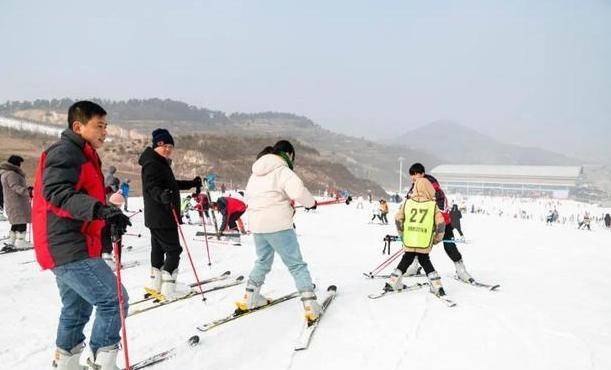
column 20, row 242
column 170, row 290
column 153, row 288
column 395, row 282
column 310, row 306
column 68, row 360
column 462, row 273
column 435, row 284
column 105, row 358
column 9, row 245
column 252, row 298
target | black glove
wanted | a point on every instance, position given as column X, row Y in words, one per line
column 166, row 196
column 114, row 217
column 197, row 182
column 30, row 190
column 313, row 207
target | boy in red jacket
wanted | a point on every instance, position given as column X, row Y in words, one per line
column 69, row 212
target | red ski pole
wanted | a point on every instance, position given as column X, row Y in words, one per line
column 206, row 240
column 116, row 240
column 184, row 241
column 386, row 262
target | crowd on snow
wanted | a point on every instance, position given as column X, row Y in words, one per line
column 76, row 216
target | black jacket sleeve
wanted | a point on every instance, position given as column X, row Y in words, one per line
column 60, row 176
column 185, row 184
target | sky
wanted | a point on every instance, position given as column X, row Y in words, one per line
column 525, row 71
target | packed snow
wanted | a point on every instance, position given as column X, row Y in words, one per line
column 551, row 312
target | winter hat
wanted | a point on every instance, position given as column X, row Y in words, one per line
column 15, row 160
column 161, row 134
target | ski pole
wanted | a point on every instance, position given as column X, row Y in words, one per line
column 116, row 245
column 390, row 260
column 386, row 262
column 135, row 213
column 206, row 241
column 188, row 252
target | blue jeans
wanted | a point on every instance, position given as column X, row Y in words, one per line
column 285, row 244
column 82, row 285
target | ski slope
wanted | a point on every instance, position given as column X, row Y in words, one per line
column 552, row 311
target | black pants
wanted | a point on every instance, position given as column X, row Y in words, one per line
column 19, row 228
column 457, row 227
column 450, row 247
column 423, row 259
column 165, row 249
column 383, row 218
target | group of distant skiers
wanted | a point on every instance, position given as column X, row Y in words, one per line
column 76, row 217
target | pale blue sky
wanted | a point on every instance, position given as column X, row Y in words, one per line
column 361, row 67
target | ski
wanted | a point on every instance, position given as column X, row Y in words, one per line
column 202, row 233
column 156, row 304
column 406, row 288
column 237, row 314
column 490, row 287
column 130, row 264
column 306, row 335
column 165, row 355
column 9, row 249
column 445, row 300
column 220, row 277
column 369, row 275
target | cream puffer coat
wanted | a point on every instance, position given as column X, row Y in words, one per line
column 269, row 192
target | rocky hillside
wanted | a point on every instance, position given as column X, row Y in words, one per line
column 228, row 156
column 363, row 158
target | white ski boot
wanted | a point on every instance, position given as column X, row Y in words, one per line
column 435, row 284
column 105, row 358
column 170, row 290
column 252, row 298
column 310, row 306
column 154, row 285
column 395, row 281
column 65, row 360
column 20, row 242
column 462, row 273
column 9, row 244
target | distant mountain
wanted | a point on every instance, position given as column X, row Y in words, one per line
column 455, row 143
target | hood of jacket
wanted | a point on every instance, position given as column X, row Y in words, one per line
column 267, row 164
column 149, row 155
column 423, row 190
column 6, row 166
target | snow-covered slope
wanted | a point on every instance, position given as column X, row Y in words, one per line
column 552, row 311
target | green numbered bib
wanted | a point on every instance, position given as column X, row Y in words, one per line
column 418, row 224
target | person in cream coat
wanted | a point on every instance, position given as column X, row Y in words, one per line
column 269, row 194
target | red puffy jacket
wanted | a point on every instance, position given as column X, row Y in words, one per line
column 69, row 185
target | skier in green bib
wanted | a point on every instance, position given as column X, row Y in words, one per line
column 420, row 225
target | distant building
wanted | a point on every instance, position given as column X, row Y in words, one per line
column 526, row 181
